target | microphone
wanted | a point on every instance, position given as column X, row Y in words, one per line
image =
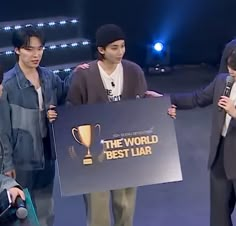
column 228, row 87
column 112, row 84
column 21, row 210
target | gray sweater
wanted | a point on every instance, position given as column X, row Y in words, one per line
column 87, row 86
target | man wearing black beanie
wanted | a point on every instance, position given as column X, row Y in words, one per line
column 110, row 78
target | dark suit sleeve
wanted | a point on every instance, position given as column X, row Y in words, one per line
column 200, row 98
column 142, row 84
column 77, row 93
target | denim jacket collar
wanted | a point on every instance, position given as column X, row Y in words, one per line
column 22, row 81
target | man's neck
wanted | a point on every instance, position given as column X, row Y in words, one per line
column 108, row 67
column 26, row 70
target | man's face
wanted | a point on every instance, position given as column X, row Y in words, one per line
column 114, row 52
column 31, row 55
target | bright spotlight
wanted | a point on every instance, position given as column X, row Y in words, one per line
column 158, row 58
column 158, row 46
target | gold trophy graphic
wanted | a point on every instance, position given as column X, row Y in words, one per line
column 84, row 135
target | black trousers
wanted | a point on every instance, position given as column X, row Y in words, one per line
column 222, row 192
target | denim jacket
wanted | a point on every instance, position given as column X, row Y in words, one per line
column 5, row 138
column 29, row 124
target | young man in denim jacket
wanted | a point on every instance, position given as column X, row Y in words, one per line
column 30, row 90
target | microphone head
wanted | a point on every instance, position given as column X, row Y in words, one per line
column 229, row 79
column 21, row 210
column 21, row 213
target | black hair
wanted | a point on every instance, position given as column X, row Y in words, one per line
column 231, row 60
column 21, row 37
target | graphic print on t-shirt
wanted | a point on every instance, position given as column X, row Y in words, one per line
column 111, row 96
column 113, row 83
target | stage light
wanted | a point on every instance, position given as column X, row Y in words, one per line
column 74, row 44
column 84, row 43
column 40, row 24
column 67, row 69
column 158, row 46
column 74, row 21
column 62, row 70
column 64, row 45
column 51, row 23
column 56, row 71
column 55, row 46
column 8, row 28
column 62, row 22
column 17, row 27
column 9, row 52
column 158, row 58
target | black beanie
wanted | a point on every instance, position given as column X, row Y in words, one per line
column 107, row 34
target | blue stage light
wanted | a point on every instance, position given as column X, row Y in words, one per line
column 52, row 23
column 40, row 24
column 158, row 57
column 158, row 46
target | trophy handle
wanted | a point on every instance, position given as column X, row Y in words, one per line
column 73, row 133
column 99, row 128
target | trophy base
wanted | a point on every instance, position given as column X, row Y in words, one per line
column 88, row 160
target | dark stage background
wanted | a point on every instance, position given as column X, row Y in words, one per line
column 196, row 30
